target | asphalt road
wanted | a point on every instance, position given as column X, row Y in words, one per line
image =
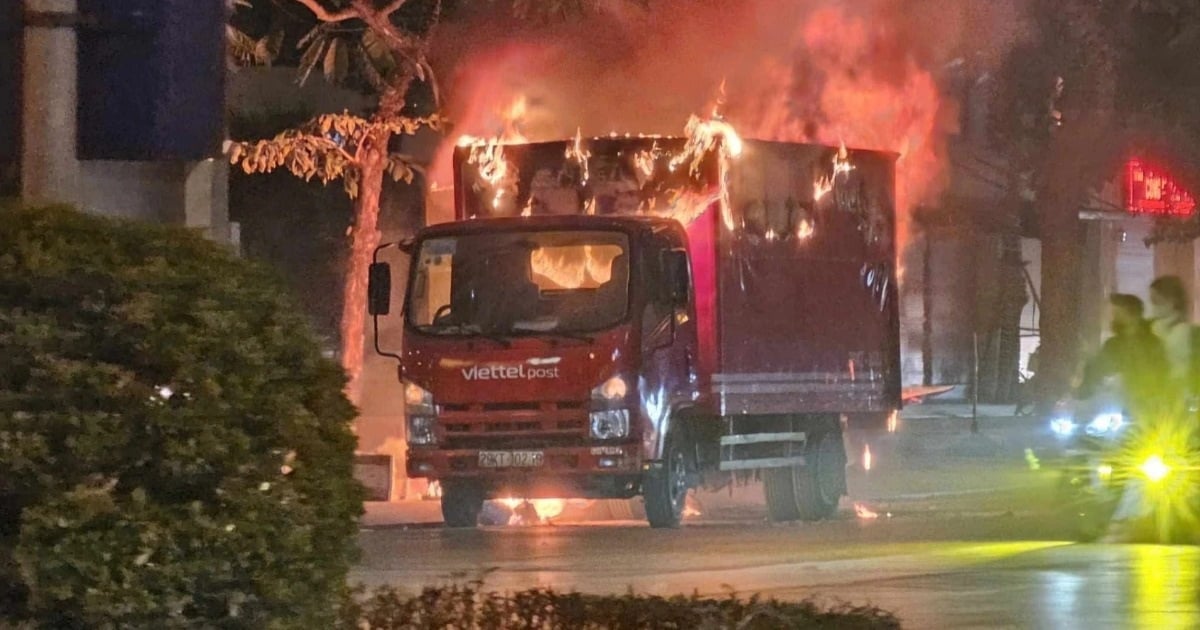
column 958, row 543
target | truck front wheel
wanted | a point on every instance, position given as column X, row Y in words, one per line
column 665, row 488
column 461, row 504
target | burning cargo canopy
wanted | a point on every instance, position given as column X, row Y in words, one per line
column 768, row 191
column 622, row 176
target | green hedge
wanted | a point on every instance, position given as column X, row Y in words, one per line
column 174, row 451
column 469, row 608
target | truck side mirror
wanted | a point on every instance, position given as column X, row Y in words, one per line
column 679, row 276
column 379, row 289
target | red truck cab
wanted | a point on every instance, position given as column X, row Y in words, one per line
column 553, row 352
column 541, row 354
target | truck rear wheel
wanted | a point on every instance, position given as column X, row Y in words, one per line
column 780, row 492
column 821, row 481
column 461, row 504
column 810, row 492
column 665, row 489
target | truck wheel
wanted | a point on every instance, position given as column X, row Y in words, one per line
column 461, row 504
column 780, row 493
column 820, row 482
column 665, row 489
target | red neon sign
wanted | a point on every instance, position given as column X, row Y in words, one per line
column 1151, row 190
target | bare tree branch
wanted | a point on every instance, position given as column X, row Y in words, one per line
column 392, row 7
column 325, row 15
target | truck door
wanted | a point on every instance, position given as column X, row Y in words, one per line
column 668, row 378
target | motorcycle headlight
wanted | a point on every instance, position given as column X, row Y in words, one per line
column 1154, row 468
column 421, row 414
column 609, row 424
column 1105, row 423
column 1063, row 427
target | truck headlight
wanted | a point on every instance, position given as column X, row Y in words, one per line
column 417, row 400
column 613, row 390
column 610, row 424
column 420, row 429
column 421, row 414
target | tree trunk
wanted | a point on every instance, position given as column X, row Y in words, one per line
column 364, row 238
column 1060, row 200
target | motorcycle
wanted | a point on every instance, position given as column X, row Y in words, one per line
column 1142, row 475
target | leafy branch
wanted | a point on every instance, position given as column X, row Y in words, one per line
column 330, row 147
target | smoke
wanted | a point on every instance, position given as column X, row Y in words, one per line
column 863, row 72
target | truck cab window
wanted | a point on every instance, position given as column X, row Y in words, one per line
column 518, row 283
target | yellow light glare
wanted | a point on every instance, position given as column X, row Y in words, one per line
column 1155, row 468
column 1105, row 471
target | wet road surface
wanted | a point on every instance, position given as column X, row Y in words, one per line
column 957, row 544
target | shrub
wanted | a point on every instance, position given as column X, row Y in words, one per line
column 174, row 451
column 469, row 608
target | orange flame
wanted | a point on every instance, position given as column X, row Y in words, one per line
column 533, row 511
column 864, row 512
column 819, row 71
column 893, row 421
column 574, row 267
column 576, row 152
column 866, row 457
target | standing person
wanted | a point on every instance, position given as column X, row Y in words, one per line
column 1169, row 321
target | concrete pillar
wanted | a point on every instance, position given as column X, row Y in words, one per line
column 49, row 170
column 206, row 198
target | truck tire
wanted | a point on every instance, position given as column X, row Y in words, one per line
column 461, row 504
column 821, row 481
column 665, row 489
column 780, row 493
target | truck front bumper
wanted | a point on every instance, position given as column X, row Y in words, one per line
column 593, row 470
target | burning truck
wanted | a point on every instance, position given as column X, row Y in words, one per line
column 638, row 316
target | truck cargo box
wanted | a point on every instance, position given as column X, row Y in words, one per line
column 792, row 247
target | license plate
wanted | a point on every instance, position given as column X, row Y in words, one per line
column 510, row 459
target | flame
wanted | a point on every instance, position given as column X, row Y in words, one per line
column 814, row 71
column 532, row 511
column 864, row 512
column 893, row 421
column 574, row 267
column 433, row 490
column 578, row 153
column 647, row 161
column 691, row 506
column 527, row 211
column 841, row 166
column 805, row 229
column 494, row 169
column 866, row 457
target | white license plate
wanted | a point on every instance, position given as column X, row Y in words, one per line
column 510, row 459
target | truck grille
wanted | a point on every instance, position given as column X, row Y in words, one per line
column 513, row 424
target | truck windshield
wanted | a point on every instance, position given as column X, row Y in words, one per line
column 520, row 283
